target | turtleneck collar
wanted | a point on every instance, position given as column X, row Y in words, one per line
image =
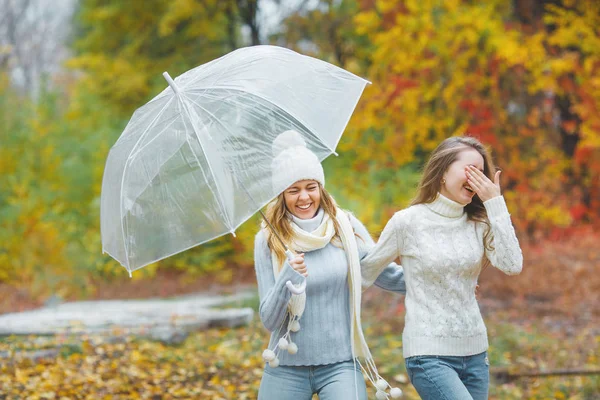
column 446, row 207
column 309, row 225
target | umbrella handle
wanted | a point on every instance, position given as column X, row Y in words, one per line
column 291, row 287
column 296, row 289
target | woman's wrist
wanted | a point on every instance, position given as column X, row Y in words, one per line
column 495, row 206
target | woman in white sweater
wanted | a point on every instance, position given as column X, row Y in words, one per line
column 456, row 226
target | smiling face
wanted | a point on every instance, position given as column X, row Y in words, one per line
column 303, row 198
column 455, row 186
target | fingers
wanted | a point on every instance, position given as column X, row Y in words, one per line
column 298, row 265
column 475, row 182
column 301, row 269
column 497, row 178
column 476, row 179
column 476, row 174
column 297, row 262
column 483, row 186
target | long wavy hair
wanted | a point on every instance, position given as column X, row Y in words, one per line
column 440, row 160
column 277, row 215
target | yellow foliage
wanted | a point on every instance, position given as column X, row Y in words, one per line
column 128, row 45
column 217, row 364
column 443, row 68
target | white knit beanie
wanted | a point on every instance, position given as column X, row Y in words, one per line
column 293, row 161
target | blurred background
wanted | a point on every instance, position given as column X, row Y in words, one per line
column 523, row 76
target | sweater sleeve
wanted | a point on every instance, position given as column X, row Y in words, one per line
column 392, row 277
column 387, row 249
column 274, row 295
column 506, row 253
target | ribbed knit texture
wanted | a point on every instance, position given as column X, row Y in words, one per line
column 442, row 254
column 324, row 337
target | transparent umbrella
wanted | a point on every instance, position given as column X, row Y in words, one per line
column 194, row 163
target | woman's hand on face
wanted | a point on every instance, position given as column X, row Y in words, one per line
column 483, row 186
column 297, row 263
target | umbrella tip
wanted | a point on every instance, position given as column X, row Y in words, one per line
column 129, row 273
column 171, row 82
column 233, row 233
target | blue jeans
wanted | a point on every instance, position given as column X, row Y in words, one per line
column 330, row 382
column 450, row 377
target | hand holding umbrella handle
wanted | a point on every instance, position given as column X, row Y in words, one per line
column 291, row 287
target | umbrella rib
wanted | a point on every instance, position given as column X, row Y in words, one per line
column 204, row 241
column 123, row 181
column 308, row 127
column 339, row 137
column 220, row 200
column 134, row 154
column 236, row 177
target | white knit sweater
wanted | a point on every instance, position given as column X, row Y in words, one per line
column 442, row 253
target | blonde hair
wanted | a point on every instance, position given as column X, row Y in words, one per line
column 277, row 215
column 440, row 160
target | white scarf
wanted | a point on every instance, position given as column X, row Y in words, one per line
column 308, row 241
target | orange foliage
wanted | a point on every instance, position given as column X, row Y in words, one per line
column 530, row 92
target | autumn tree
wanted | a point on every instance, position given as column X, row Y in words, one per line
column 123, row 47
column 325, row 30
column 458, row 67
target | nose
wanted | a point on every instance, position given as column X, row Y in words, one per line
column 303, row 195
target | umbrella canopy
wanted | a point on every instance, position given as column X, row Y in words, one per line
column 194, row 163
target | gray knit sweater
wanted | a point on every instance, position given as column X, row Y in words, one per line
column 324, row 337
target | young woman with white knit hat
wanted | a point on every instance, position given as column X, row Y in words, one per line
column 317, row 344
column 456, row 226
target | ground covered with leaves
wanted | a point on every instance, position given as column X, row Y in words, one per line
column 545, row 319
column 226, row 363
